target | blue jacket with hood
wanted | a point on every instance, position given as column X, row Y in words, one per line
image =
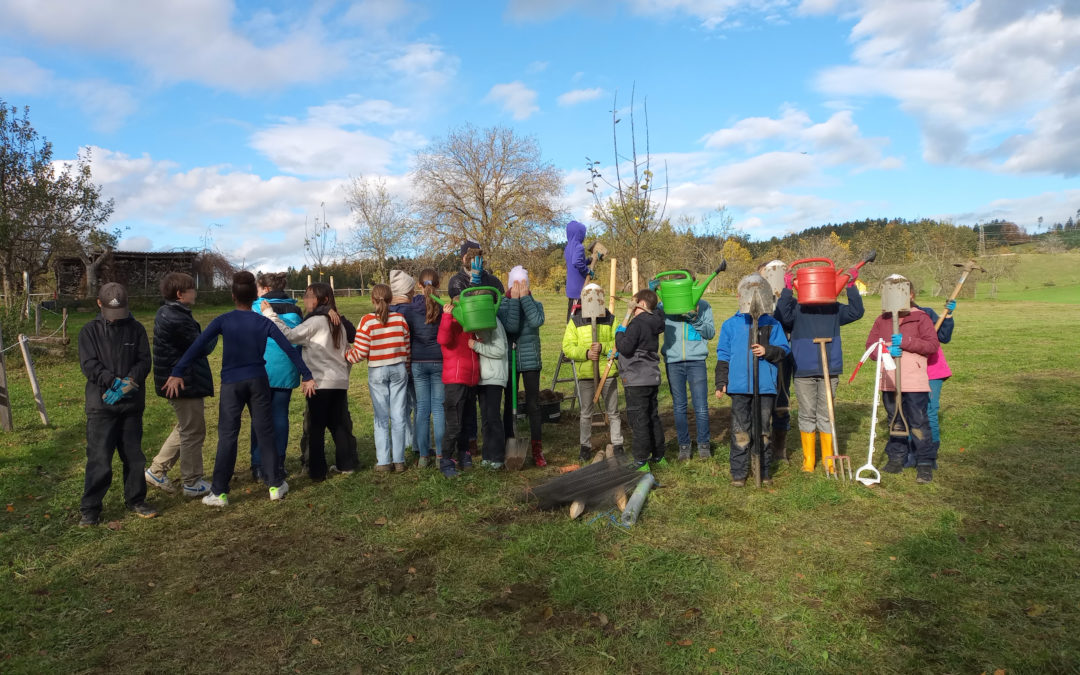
column 806, row 322
column 733, row 357
column 686, row 340
column 279, row 368
column 577, row 265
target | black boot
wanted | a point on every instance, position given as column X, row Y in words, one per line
column 586, row 454
column 779, row 445
column 894, row 465
column 924, row 473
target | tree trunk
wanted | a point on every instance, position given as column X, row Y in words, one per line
column 93, row 264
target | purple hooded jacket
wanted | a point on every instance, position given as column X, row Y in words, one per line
column 577, row 267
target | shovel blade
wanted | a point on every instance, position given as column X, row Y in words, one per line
column 516, row 451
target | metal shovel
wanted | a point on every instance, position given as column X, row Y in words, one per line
column 516, row 447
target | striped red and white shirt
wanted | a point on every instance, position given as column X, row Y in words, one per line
column 382, row 344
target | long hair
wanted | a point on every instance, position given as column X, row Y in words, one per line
column 429, row 281
column 380, row 297
column 324, row 295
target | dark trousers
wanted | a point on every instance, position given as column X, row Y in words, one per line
column 350, row 436
column 781, row 416
column 253, row 394
column 532, row 406
column 279, row 404
column 458, row 399
column 491, row 420
column 326, row 412
column 914, row 406
column 643, row 412
column 742, row 406
column 106, row 432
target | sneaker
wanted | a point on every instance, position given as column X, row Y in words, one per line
column 738, row 482
column 924, row 473
column 684, row 453
column 277, row 493
column 144, row 510
column 640, row 466
column 466, row 461
column 703, row 451
column 399, row 467
column 662, row 463
column 384, row 468
column 619, row 451
column 585, row 454
column 893, row 466
column 199, row 489
column 216, row 500
column 449, row 472
column 89, row 520
column 766, row 481
column 161, row 482
column 485, row 464
column 495, row 466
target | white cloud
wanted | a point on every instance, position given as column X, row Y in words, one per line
column 355, row 110
column 993, row 83
column 576, row 96
column 1053, row 207
column 537, row 67
column 425, row 64
column 836, row 141
column 711, row 13
column 196, row 40
column 378, row 14
column 106, row 104
column 313, row 149
column 515, row 98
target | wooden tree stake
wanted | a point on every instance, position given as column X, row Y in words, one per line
column 25, row 347
column 5, row 402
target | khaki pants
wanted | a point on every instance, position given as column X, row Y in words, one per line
column 609, row 398
column 186, row 440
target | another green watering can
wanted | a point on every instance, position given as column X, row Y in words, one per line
column 477, row 311
column 680, row 295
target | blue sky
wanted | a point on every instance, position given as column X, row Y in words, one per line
column 239, row 119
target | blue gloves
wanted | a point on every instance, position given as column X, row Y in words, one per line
column 590, row 273
column 620, row 329
column 653, row 285
column 114, row 392
column 477, row 267
column 951, row 306
column 897, row 338
column 895, row 351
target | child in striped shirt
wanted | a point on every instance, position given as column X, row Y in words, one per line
column 382, row 338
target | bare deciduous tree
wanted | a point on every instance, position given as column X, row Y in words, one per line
column 490, row 186
column 380, row 223
column 319, row 241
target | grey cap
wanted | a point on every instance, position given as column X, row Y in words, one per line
column 114, row 301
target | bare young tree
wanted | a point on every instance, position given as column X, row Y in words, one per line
column 488, row 185
column 381, row 224
column 633, row 205
column 319, row 241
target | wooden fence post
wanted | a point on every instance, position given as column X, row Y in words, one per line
column 25, row 347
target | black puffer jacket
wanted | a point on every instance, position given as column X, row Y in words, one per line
column 174, row 331
column 110, row 350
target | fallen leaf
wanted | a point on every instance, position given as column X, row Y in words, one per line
column 548, row 613
column 247, row 491
column 110, row 611
column 892, row 557
column 315, row 641
column 867, row 542
column 603, row 617
column 999, row 671
column 949, row 571
column 275, row 572
column 685, row 642
column 237, row 596
column 115, row 525
column 1036, row 610
column 412, row 638
column 800, row 575
column 380, row 521
column 10, row 508
column 151, row 584
column 692, row 613
column 412, row 570
column 960, row 450
column 712, row 650
column 48, row 516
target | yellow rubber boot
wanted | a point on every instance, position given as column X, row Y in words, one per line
column 826, row 450
column 808, row 443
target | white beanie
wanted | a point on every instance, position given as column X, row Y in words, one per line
column 592, row 286
column 401, row 284
column 518, row 273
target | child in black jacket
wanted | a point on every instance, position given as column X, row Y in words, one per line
column 114, row 355
column 638, row 344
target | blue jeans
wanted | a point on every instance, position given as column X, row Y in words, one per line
column 388, row 386
column 279, row 406
column 428, row 384
column 932, row 409
column 695, row 374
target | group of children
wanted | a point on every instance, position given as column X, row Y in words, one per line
column 427, row 376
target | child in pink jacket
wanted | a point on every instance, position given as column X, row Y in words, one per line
column 913, row 345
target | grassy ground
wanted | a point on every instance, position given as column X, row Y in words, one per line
column 412, row 573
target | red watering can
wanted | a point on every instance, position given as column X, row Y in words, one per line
column 821, row 284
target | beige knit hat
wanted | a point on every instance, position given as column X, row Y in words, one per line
column 401, row 283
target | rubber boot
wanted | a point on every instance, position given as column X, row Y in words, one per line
column 779, row 445
column 809, row 440
column 538, row 454
column 826, row 450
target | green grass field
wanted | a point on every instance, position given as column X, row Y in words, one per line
column 975, row 572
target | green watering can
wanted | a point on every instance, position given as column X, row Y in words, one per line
column 475, row 311
column 680, row 295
